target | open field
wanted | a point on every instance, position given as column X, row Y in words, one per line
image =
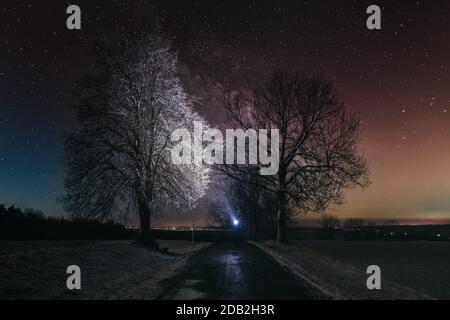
column 122, row 270
column 410, row 270
column 109, row 269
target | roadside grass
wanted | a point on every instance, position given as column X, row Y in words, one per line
column 109, row 270
column 337, row 278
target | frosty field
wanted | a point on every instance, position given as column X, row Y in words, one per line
column 410, row 270
column 109, row 269
column 122, row 270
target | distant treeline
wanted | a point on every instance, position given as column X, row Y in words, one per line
column 30, row 224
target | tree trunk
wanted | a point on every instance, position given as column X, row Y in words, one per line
column 282, row 206
column 145, row 236
column 281, row 217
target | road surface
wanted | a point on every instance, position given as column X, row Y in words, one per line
column 236, row 270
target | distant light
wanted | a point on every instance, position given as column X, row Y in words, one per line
column 235, row 222
column 438, row 235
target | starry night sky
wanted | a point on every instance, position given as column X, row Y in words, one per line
column 396, row 78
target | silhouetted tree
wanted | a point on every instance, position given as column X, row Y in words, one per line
column 256, row 205
column 391, row 222
column 218, row 214
column 353, row 223
column 318, row 158
column 329, row 221
column 118, row 157
column 251, row 204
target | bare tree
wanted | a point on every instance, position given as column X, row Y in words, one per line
column 318, row 136
column 353, row 223
column 247, row 202
column 118, row 157
column 329, row 221
column 391, row 222
column 218, row 215
column 256, row 205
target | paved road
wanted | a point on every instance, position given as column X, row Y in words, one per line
column 236, row 271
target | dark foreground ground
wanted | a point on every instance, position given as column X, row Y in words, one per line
column 121, row 270
column 109, row 269
column 237, row 270
column 423, row 266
